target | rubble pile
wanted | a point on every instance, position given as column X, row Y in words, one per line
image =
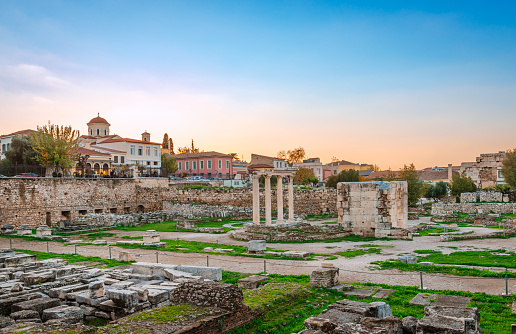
column 52, row 291
column 352, row 317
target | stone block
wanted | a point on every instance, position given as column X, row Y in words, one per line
column 256, row 246
column 33, row 278
column 96, row 289
column 60, row 312
column 383, row 293
column 25, row 314
column 24, row 230
column 123, row 298
column 360, row 308
column 440, row 325
column 252, row 282
column 211, row 273
column 296, row 254
column 8, row 229
column 6, row 303
column 409, row 325
column 84, row 298
column 384, row 310
column 156, row 296
column 423, row 299
column 91, row 273
column 324, row 277
column 43, row 231
column 151, row 236
column 125, row 257
column 38, row 305
column 143, row 294
column 360, row 293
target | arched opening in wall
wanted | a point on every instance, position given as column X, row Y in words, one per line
column 98, row 132
column 66, row 217
column 91, row 132
column 105, row 169
column 48, row 219
column 98, row 210
column 127, row 209
column 83, row 212
column 88, row 168
column 96, row 168
column 113, row 210
column 140, row 209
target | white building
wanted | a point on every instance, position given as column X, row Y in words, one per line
column 6, row 140
column 315, row 165
column 123, row 151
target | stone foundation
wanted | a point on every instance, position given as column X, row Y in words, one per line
column 446, row 209
column 298, row 231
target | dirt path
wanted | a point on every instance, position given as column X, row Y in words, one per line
column 351, row 270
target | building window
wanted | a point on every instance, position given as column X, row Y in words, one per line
column 187, row 165
column 147, row 151
column 180, row 166
column 202, row 164
column 155, row 163
column 140, row 151
column 115, row 159
column 220, row 164
column 132, row 149
column 227, row 164
column 8, row 146
column 105, row 132
column 209, row 164
column 3, row 147
column 155, row 151
column 194, row 164
column 148, row 163
column 122, row 159
column 98, row 132
column 91, row 132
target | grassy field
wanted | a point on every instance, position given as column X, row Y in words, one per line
column 497, row 258
column 284, row 307
column 358, row 252
column 71, row 258
column 171, row 226
column 182, row 246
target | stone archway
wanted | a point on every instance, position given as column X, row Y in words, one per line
column 140, row 209
column 105, row 169
column 96, row 168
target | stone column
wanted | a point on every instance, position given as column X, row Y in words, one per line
column 268, row 216
column 256, row 199
column 290, row 199
column 279, row 200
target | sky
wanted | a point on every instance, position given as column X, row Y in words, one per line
column 381, row 82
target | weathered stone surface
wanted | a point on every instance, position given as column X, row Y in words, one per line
column 324, row 277
column 6, row 303
column 383, row 293
column 256, row 246
column 296, row 254
column 25, row 314
column 64, row 311
column 321, row 324
column 360, row 308
column 37, row 305
column 469, row 315
column 32, row 278
column 212, row 294
column 446, row 300
column 6, row 322
column 125, row 257
column 123, row 298
column 252, row 282
column 143, row 294
column 409, row 325
column 423, row 299
column 360, row 293
column 156, row 296
column 384, row 310
column 429, row 325
column 17, row 287
column 96, row 289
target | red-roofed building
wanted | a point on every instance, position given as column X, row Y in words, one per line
column 122, row 152
column 211, row 165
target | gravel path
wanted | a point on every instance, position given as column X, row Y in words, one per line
column 356, row 269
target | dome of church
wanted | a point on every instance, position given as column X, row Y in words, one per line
column 98, row 120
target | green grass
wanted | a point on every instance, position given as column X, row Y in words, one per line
column 183, row 246
column 358, row 252
column 171, row 226
column 26, row 238
column 425, row 233
column 352, row 238
column 286, row 313
column 99, row 235
column 169, row 313
column 72, row 258
column 373, row 246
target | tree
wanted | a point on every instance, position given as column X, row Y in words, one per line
column 21, row 152
column 235, row 156
column 344, row 176
column 376, row 168
column 437, row 191
column 55, row 146
column 305, row 176
column 169, row 163
column 182, row 150
column 292, row 156
column 415, row 187
column 193, row 146
column 462, row 184
column 509, row 168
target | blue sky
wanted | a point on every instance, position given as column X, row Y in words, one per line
column 387, row 83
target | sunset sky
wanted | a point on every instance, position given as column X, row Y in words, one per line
column 428, row 82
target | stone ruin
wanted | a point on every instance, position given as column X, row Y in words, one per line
column 54, row 292
column 297, row 231
column 150, row 238
column 378, row 209
column 352, row 317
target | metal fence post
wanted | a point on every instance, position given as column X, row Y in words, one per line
column 10, row 243
column 506, row 286
column 207, row 260
column 47, row 247
column 75, row 249
column 265, row 267
column 157, row 260
column 421, row 276
column 109, row 252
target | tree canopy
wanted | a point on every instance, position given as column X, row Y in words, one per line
column 55, row 146
column 415, row 187
column 305, row 176
column 462, row 184
column 169, row 163
column 437, row 191
column 509, row 168
column 21, row 152
column 344, row 176
column 292, row 156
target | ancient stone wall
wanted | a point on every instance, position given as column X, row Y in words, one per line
column 487, row 196
column 362, row 206
column 209, row 294
column 50, row 201
column 484, row 171
column 444, row 208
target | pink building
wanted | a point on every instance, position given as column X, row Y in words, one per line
column 211, row 165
